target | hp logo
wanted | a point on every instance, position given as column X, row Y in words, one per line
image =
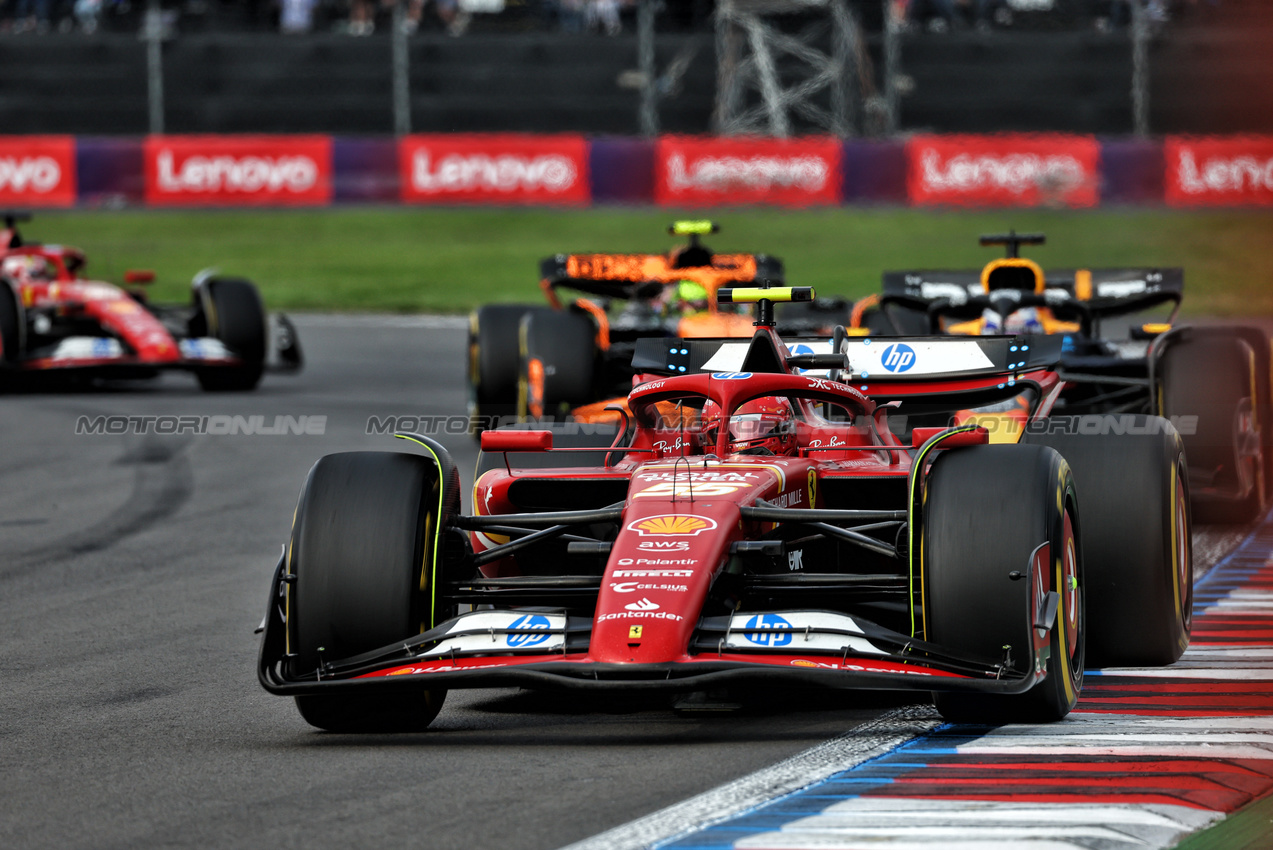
column 529, row 621
column 768, row 621
column 898, row 357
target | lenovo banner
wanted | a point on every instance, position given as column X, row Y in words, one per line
column 692, row 171
column 37, row 171
column 494, row 169
column 1023, row 170
column 238, row 170
column 1219, row 171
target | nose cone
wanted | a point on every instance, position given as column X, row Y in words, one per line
column 660, row 569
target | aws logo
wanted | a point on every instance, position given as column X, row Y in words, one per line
column 681, row 525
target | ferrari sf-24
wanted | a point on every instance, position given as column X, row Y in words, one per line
column 835, row 518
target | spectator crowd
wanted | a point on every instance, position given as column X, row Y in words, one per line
column 608, row 17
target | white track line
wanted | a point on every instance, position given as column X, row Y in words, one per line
column 860, row 744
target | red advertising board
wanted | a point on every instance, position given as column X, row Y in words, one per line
column 1231, row 170
column 37, row 171
column 1014, row 170
column 238, row 170
column 696, row 171
column 494, row 169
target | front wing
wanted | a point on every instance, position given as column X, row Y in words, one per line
column 549, row 650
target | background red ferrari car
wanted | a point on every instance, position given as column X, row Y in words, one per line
column 54, row 319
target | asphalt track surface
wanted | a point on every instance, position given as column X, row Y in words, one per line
column 133, row 569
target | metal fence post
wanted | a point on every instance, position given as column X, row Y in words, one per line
column 892, row 55
column 152, row 34
column 649, row 73
column 1140, row 70
column 401, row 71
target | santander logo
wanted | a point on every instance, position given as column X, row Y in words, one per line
column 29, row 173
column 506, row 173
column 248, row 174
column 1223, row 174
column 1016, row 173
column 756, row 173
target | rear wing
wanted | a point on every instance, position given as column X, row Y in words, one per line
column 631, row 275
column 890, row 359
column 1106, row 292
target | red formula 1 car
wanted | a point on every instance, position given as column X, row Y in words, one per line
column 751, row 525
column 54, row 320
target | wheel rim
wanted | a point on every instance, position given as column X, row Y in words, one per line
column 1070, row 589
column 1180, row 547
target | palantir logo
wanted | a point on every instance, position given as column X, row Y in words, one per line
column 898, row 357
column 768, row 621
column 528, row 621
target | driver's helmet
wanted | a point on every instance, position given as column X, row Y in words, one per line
column 761, row 426
column 27, row 267
column 691, row 297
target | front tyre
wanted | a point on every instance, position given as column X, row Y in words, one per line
column 1000, row 535
column 364, row 553
column 558, row 362
column 492, row 364
column 232, row 312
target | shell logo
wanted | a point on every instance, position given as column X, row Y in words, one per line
column 682, row 525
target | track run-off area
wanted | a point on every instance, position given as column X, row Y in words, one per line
column 134, row 567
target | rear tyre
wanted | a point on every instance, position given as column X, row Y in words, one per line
column 1211, row 379
column 492, row 364
column 988, row 511
column 1137, row 540
column 558, row 362
column 363, row 552
column 233, row 313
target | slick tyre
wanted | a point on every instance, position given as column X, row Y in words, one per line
column 233, row 313
column 1000, row 535
column 1209, row 380
column 492, row 364
column 1133, row 483
column 558, row 355
column 10, row 333
column 363, row 550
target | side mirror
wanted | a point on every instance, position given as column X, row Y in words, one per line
column 139, row 276
column 517, row 441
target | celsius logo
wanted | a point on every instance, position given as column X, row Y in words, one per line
column 529, row 621
column 770, row 638
column 644, row 605
column 898, row 357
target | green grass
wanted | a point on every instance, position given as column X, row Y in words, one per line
column 452, row 259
